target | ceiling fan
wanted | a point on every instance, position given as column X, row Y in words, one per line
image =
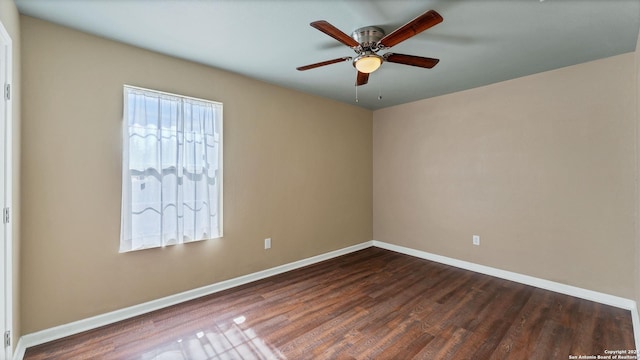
column 368, row 40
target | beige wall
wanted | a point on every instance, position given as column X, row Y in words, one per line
column 298, row 168
column 541, row 167
column 11, row 20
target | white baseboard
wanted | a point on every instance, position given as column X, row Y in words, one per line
column 18, row 352
column 519, row 278
column 590, row 295
column 636, row 326
column 76, row 327
column 79, row 326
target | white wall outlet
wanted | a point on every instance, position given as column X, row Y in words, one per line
column 267, row 243
column 476, row 240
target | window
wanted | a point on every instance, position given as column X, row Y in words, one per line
column 171, row 169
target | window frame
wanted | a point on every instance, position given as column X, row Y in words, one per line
column 219, row 125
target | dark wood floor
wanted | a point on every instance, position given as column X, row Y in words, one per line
column 372, row 304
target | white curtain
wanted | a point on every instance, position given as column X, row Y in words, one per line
column 170, row 170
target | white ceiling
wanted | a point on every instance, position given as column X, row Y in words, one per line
column 479, row 42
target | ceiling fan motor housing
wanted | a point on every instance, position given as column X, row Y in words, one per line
column 368, row 37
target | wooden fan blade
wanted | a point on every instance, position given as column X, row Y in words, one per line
column 362, row 78
column 412, row 60
column 335, row 33
column 413, row 27
column 328, row 62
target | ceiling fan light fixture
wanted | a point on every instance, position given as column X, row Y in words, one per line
column 367, row 63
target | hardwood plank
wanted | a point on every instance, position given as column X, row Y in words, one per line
column 371, row 304
column 554, row 342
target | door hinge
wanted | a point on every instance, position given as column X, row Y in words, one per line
column 6, row 213
column 7, row 92
column 7, row 338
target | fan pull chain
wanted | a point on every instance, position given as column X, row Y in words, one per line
column 357, row 93
column 380, row 89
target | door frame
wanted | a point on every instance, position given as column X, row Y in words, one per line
column 6, row 188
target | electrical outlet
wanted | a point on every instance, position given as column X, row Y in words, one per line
column 267, row 243
column 476, row 240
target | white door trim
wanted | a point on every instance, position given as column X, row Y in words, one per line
column 6, row 192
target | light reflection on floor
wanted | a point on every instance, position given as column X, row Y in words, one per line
column 221, row 341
